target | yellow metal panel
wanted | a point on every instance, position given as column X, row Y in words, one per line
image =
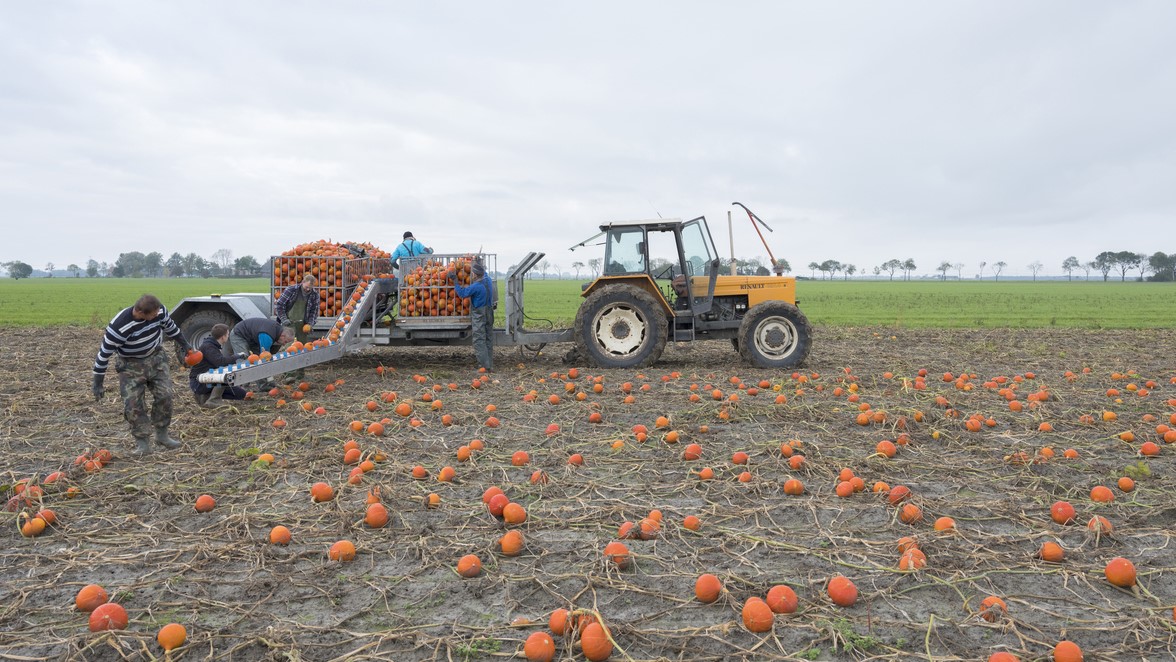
column 757, row 289
column 642, row 280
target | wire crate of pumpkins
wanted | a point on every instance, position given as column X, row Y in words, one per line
column 337, row 267
column 425, row 289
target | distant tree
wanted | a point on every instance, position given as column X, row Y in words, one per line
column 909, row 267
column 1069, row 265
column 982, row 265
column 153, row 264
column 193, row 264
column 1088, row 267
column 49, row 267
column 850, row 269
column 223, row 258
column 105, row 269
column 577, row 265
column 18, row 270
column 1144, row 266
column 783, row 267
column 813, row 266
column 1126, row 260
column 129, row 265
column 1163, row 265
column 246, row 265
column 1035, row 267
column 1105, row 262
column 174, row 265
column 877, row 271
column 594, row 264
column 943, row 268
column 997, row 268
column 959, row 268
column 832, row 267
column 555, row 269
column 543, row 268
column 891, row 266
column 75, row 270
column 91, row 268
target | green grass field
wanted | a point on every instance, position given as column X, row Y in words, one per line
column 920, row 304
column 94, row 301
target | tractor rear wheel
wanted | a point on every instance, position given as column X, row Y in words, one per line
column 620, row 326
column 775, row 334
column 199, row 325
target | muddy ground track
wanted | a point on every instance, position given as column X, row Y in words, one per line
column 134, row 531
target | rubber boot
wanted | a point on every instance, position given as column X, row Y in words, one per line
column 142, row 446
column 167, row 442
column 215, row 399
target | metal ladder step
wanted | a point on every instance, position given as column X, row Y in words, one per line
column 683, row 329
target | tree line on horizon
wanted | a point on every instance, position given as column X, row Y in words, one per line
column 152, row 265
column 1159, row 267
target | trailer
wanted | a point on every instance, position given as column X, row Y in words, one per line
column 367, row 322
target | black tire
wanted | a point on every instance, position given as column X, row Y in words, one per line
column 199, row 325
column 620, row 326
column 775, row 334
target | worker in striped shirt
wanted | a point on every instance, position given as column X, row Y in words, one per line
column 134, row 338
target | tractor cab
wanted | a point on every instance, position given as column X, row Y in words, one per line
column 678, row 258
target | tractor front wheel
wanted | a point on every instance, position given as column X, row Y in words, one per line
column 620, row 326
column 775, row 334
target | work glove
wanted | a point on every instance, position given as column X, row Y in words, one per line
column 184, row 346
column 97, row 389
column 282, row 320
column 240, row 356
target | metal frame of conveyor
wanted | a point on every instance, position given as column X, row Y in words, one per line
column 351, row 338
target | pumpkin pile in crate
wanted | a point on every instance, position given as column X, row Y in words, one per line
column 338, row 268
column 425, row 289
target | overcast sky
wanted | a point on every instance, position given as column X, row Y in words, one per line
column 860, row 131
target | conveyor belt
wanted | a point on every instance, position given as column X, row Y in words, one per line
column 283, row 362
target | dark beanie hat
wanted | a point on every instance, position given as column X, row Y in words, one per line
column 407, row 235
column 479, row 270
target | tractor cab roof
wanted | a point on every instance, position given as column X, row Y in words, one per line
column 654, row 224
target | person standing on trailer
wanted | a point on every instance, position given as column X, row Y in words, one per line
column 408, row 248
column 481, row 294
column 135, row 339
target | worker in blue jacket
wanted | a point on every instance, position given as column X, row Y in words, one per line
column 410, row 247
column 481, row 294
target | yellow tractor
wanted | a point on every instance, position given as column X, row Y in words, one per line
column 660, row 281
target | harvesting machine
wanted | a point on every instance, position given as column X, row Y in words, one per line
column 660, row 282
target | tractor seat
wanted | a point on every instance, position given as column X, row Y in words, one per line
column 679, row 285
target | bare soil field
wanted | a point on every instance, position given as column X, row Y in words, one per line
column 132, row 528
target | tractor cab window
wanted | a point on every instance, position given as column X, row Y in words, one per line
column 697, row 249
column 624, row 252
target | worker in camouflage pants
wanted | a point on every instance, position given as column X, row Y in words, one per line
column 135, row 378
column 134, row 339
